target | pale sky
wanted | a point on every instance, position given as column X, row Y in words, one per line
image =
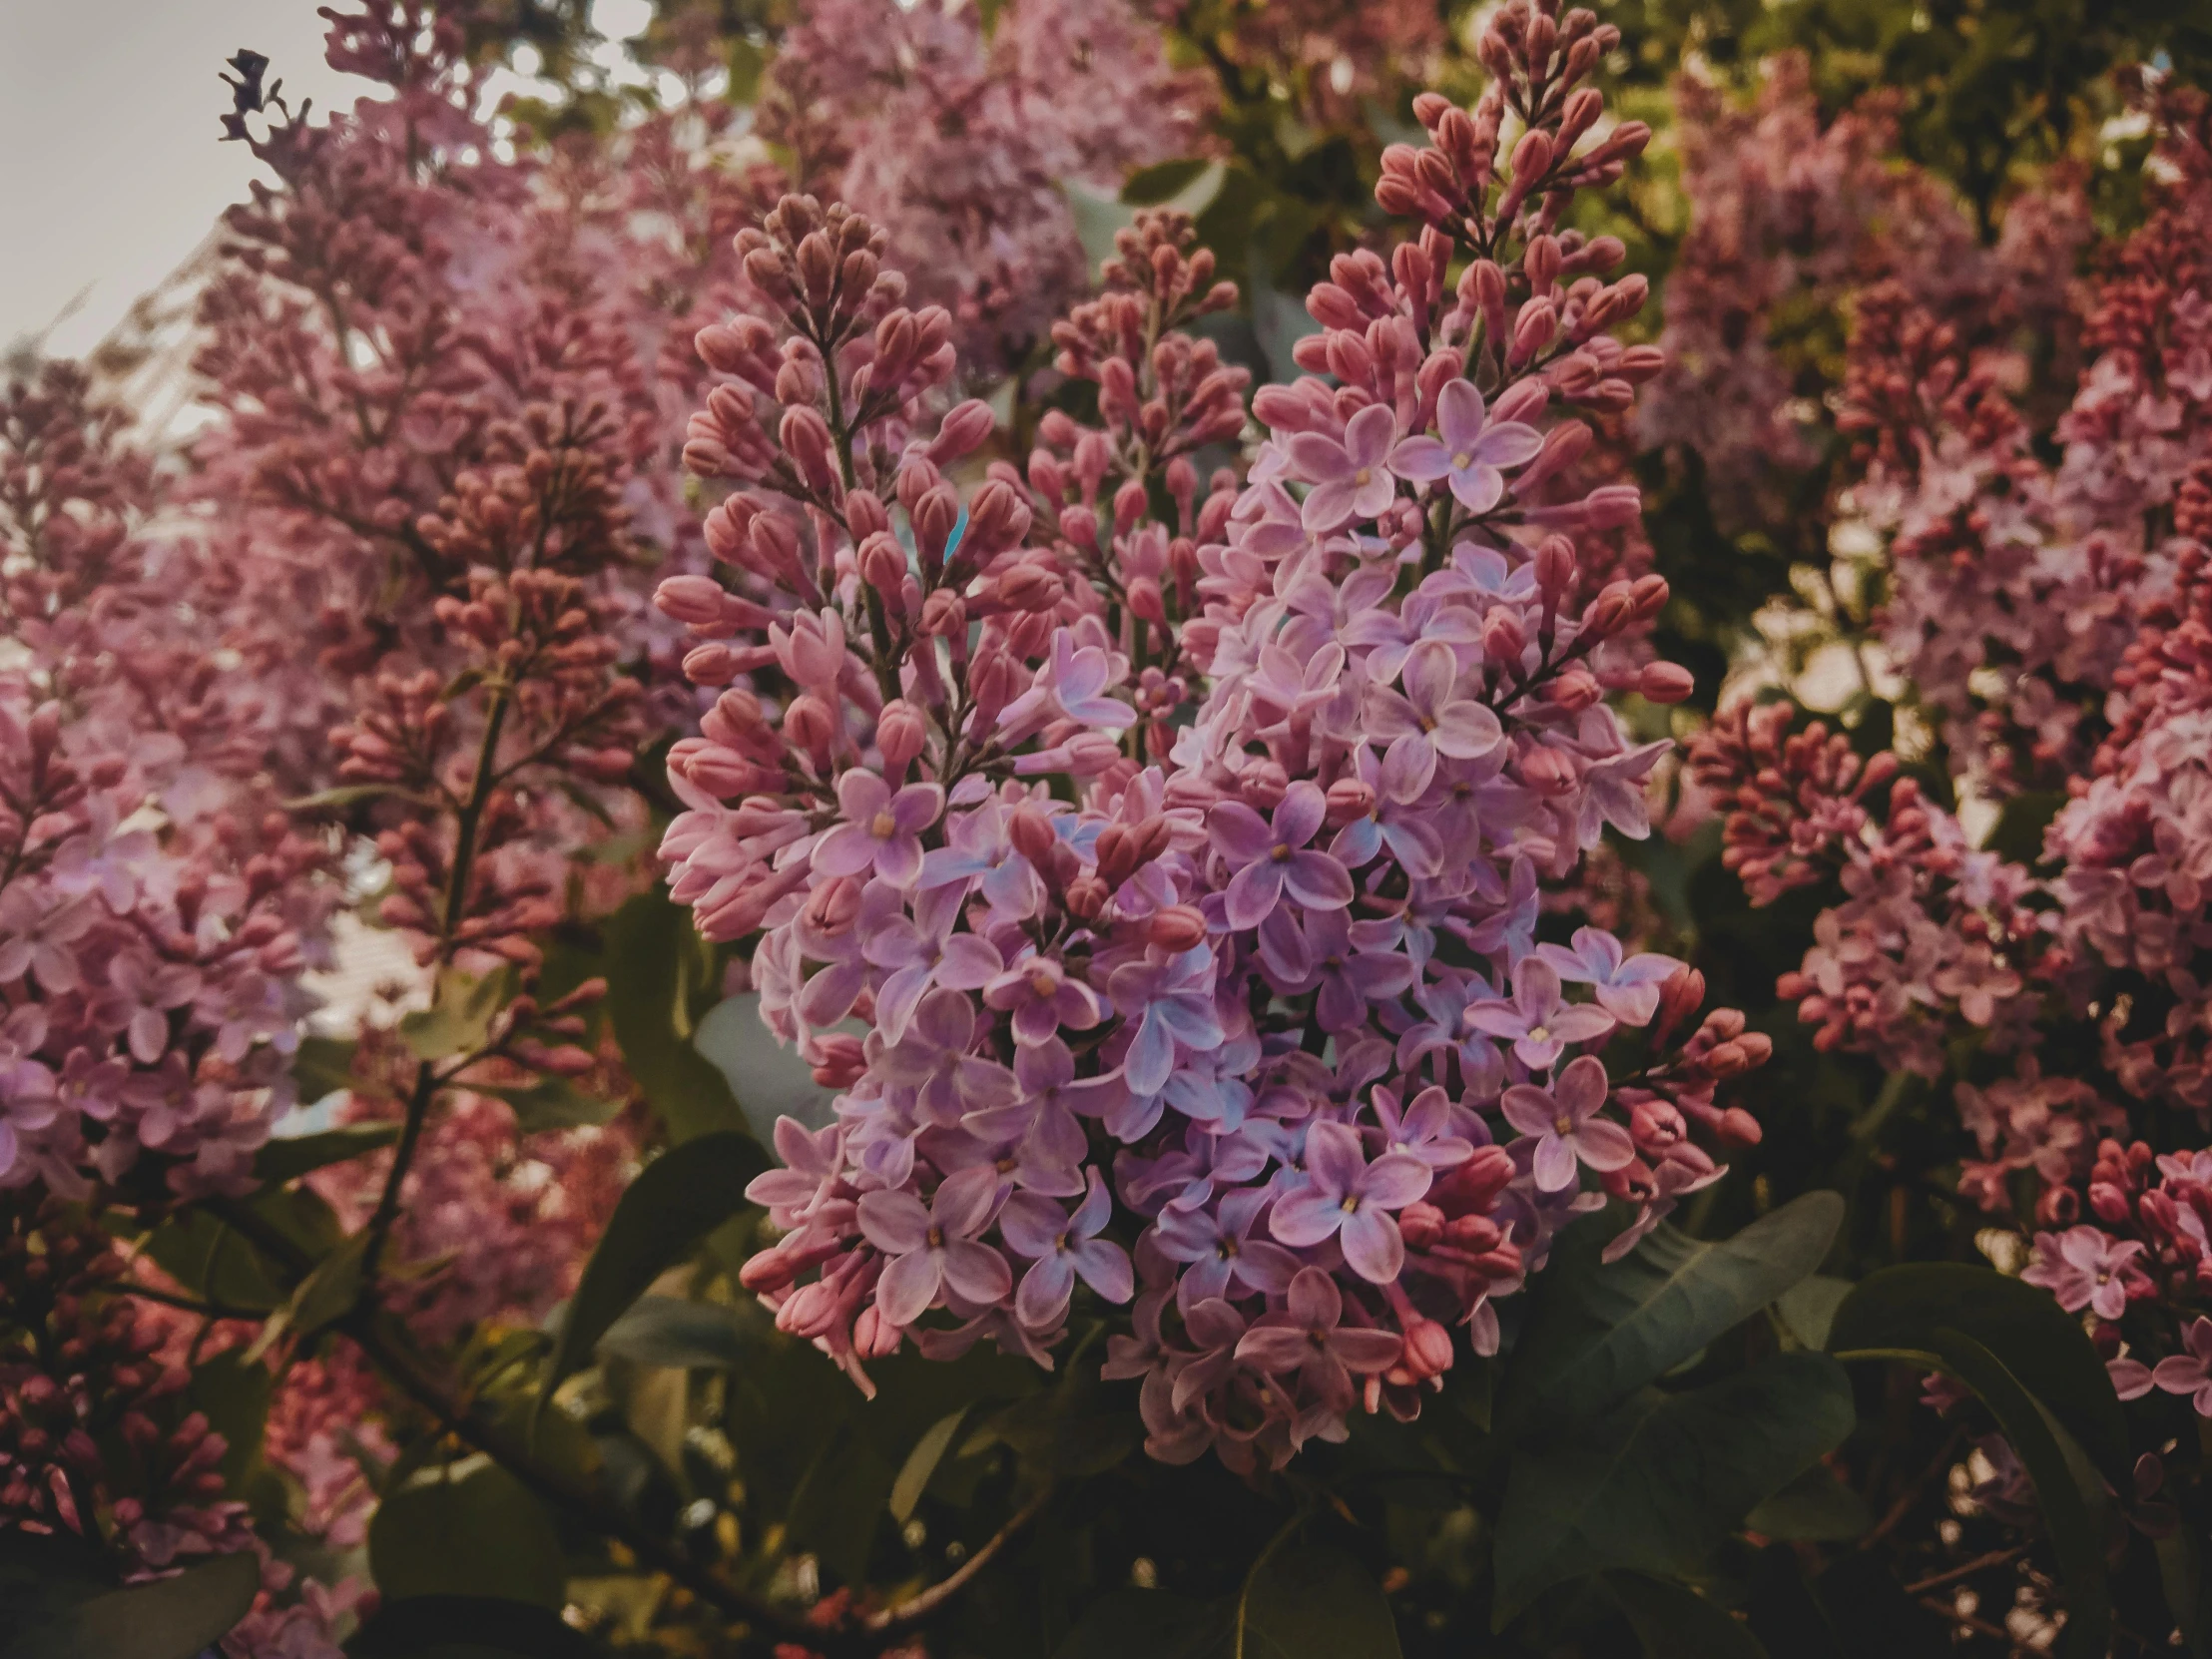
column 112, row 168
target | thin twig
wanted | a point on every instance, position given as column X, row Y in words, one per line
column 1995, row 1558
column 920, row 1607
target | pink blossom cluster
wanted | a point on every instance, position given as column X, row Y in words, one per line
column 155, row 919
column 1183, row 850
column 2060, row 615
column 961, row 141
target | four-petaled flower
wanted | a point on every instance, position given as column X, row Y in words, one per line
column 1471, row 450
column 935, row 1248
column 1306, row 1337
column 1062, row 1250
column 1270, row 856
column 1429, row 719
column 2085, row 1266
column 1043, row 997
column 1537, row 1021
column 1347, row 1197
column 1565, row 1119
column 1628, row 990
column 1352, row 478
column 882, row 831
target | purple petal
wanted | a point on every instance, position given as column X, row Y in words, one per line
column 1305, row 1216
column 1316, row 880
column 1044, row 1293
column 1372, row 1246
column 1604, row 1145
column 978, row 1272
column 1257, row 888
column 1105, row 1268
column 1555, row 1164
column 1394, row 1181
column 1300, row 813
column 908, row 1286
column 894, row 1221
column 1032, row 1224
column 1237, row 830
column 1315, row 1302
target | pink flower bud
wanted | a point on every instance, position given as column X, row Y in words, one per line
column 899, row 734
column 1548, row 771
column 1665, row 682
column 1178, row 928
column 693, row 600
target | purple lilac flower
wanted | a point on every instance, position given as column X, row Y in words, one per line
column 925, row 951
column 2085, row 1266
column 1428, row 1129
column 1428, row 718
column 1306, row 1337
column 1223, row 1257
column 1270, row 857
column 2190, row 1373
column 812, row 1162
column 1565, row 1120
column 1348, row 1198
column 981, row 857
column 934, row 1063
column 1172, row 1002
column 1215, row 1331
column 1628, row 990
column 1397, row 819
column 1536, row 1021
column 1352, row 478
column 936, row 1249
column 1063, row 1249
column 1043, row 997
column 882, row 831
column 1070, row 684
column 1471, row 450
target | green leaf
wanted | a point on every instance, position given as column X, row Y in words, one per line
column 922, row 1463
column 45, row 1574
column 285, row 1160
column 1149, row 1624
column 323, row 1065
column 348, row 795
column 2069, row 1488
column 1816, row 1506
column 2018, row 831
column 330, row 1292
column 1658, row 1483
column 1596, row 1332
column 468, row 1627
column 2181, row 1576
column 769, row 1080
column 458, row 1020
column 466, row 1528
column 1807, row 1308
column 1674, row 1622
column 171, row 1618
column 839, row 1503
column 661, row 976
column 2037, row 1340
column 676, row 1201
column 670, row 1332
column 1312, row 1604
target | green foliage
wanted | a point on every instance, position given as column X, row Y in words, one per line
column 68, row 1614
column 466, row 1528
column 675, row 1202
column 662, row 978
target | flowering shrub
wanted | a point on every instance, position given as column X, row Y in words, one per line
column 1461, row 914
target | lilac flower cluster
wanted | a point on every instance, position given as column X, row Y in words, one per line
column 154, row 916
column 1185, row 865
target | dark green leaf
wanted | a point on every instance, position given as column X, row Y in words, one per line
column 675, row 1202
column 467, row 1528
column 1809, row 1307
column 1149, row 1624
column 668, row 1331
column 458, row 1020
column 1674, row 1622
column 468, row 1627
column 1599, row 1332
column 922, row 1463
column 2037, row 1340
column 323, row 1065
column 1659, row 1483
column 2018, row 834
column 661, row 978
column 2181, row 1576
column 1816, row 1505
column 330, row 1292
column 1313, row 1603
column 839, row 1503
column 171, row 1618
column 44, row 1574
column 283, row 1160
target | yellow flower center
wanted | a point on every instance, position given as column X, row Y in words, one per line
column 883, row 827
